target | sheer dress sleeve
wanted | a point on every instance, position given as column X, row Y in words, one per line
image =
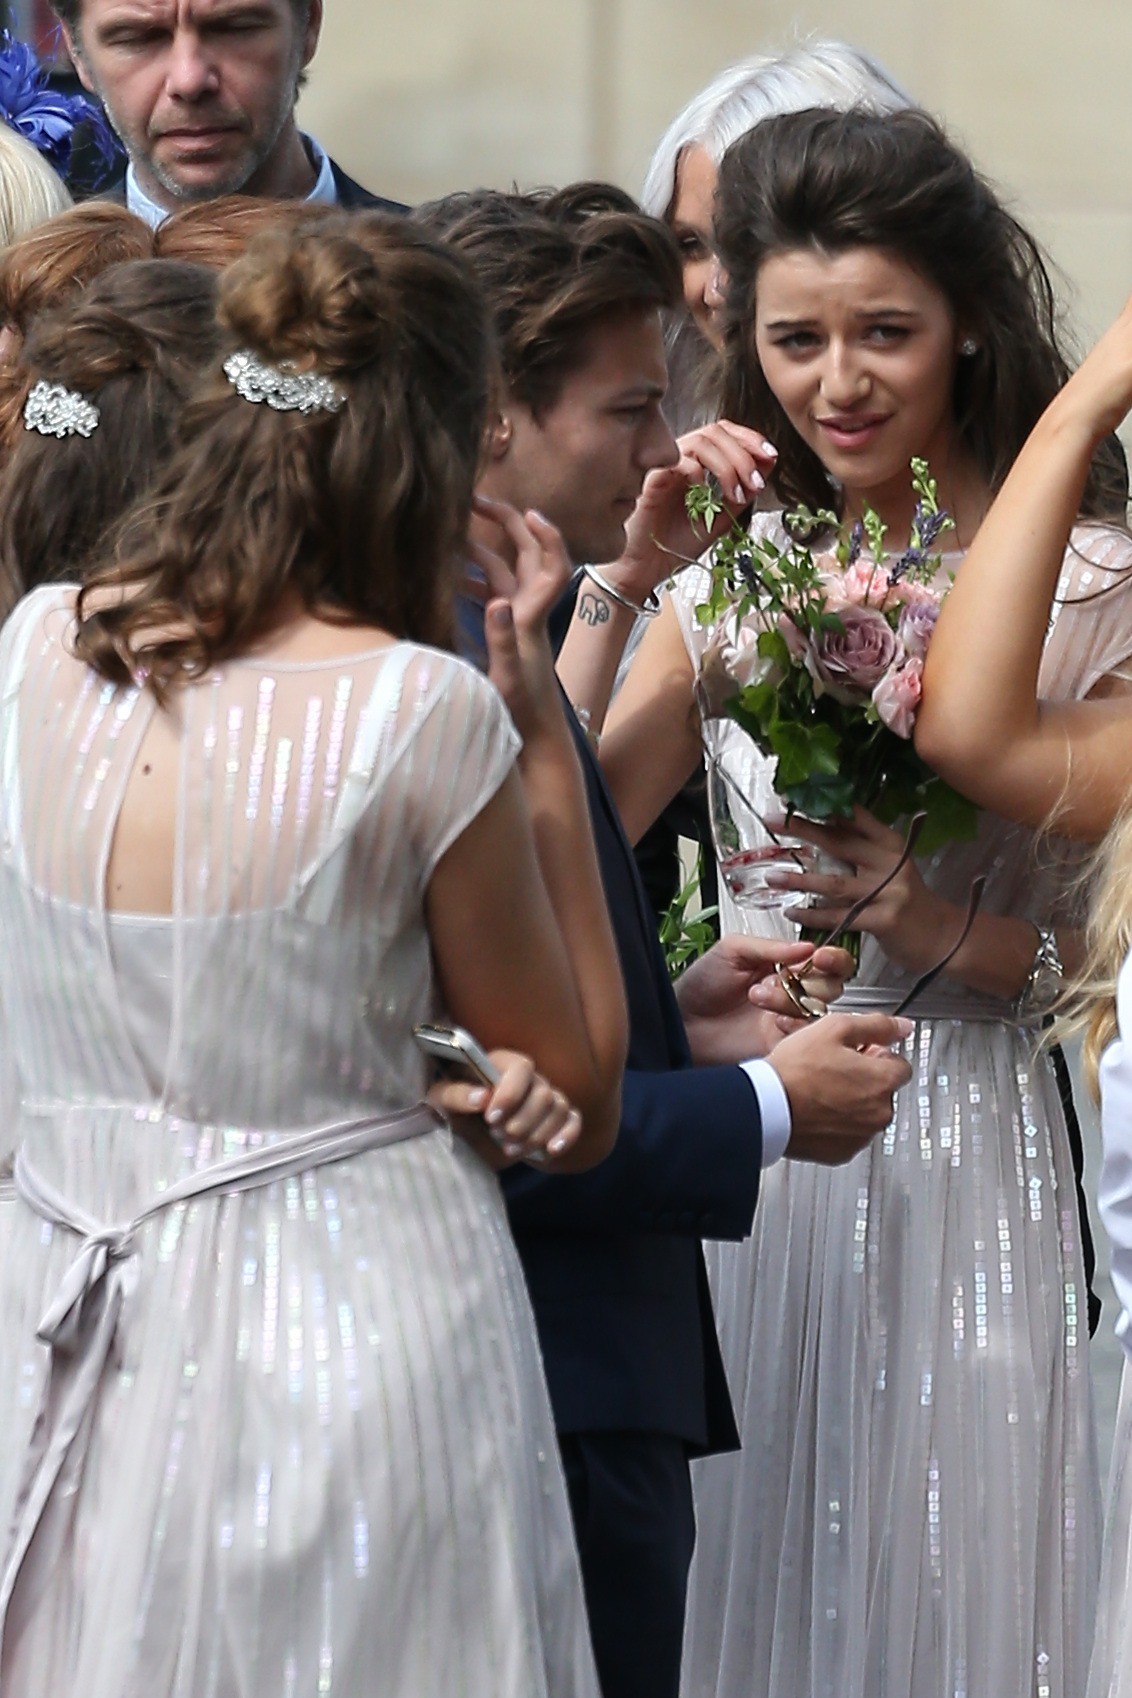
column 1091, row 627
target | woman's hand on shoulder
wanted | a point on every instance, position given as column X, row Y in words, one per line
column 522, row 1118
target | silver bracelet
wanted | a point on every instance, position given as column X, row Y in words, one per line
column 1045, row 980
column 585, row 720
column 647, row 609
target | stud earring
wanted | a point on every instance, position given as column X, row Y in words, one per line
column 968, row 346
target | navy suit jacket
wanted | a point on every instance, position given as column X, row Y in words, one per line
column 612, row 1257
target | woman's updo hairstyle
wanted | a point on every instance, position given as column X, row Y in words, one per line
column 46, row 269
column 831, row 181
column 133, row 343
column 361, row 511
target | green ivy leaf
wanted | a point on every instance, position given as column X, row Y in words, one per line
column 821, row 796
column 684, row 938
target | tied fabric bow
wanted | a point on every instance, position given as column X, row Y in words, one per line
column 82, row 1329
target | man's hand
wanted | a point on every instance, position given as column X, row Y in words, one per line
column 732, row 1005
column 840, row 1075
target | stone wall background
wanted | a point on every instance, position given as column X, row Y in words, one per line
column 418, row 97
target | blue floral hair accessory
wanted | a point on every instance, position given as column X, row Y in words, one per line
column 45, row 116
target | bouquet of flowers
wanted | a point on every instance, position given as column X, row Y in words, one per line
column 819, row 657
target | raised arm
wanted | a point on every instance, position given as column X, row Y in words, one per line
column 520, row 975
column 528, row 961
column 659, row 539
column 982, row 725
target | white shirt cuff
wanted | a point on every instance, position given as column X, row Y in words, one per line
column 774, row 1109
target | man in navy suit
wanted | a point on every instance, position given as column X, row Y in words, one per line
column 202, row 94
column 613, row 1257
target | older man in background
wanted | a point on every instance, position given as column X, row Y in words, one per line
column 202, row 94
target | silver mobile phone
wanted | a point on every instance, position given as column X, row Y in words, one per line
column 457, row 1049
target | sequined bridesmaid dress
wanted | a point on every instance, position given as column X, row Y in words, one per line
column 915, row 1509
column 291, row 1434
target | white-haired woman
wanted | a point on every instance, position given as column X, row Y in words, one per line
column 680, row 181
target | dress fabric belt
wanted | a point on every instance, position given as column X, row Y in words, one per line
column 81, row 1326
column 939, row 1003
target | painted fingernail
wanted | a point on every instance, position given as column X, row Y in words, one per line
column 558, row 1146
column 756, row 482
column 494, row 1116
column 512, row 1149
column 477, row 1099
column 770, row 449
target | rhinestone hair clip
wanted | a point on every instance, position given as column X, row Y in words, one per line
column 282, row 387
column 54, row 410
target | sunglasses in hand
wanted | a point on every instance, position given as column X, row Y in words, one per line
column 812, row 1008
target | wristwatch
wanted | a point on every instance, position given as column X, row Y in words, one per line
column 1047, row 977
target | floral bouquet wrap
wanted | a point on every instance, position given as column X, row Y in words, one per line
column 819, row 657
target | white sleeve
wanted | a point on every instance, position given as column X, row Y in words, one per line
column 774, row 1109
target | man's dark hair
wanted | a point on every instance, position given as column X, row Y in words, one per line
column 69, row 13
column 553, row 264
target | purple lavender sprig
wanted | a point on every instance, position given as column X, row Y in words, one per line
column 45, row 116
column 929, row 521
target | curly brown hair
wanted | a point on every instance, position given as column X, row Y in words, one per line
column 133, row 343
column 362, row 513
column 553, row 264
column 216, row 232
column 838, row 180
column 48, row 267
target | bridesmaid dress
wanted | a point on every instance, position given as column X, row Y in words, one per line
column 915, row 1512
column 273, row 1414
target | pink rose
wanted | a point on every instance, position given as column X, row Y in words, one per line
column 910, row 594
column 897, row 697
column 917, row 622
column 848, row 664
column 865, row 584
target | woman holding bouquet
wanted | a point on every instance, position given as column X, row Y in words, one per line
column 907, row 1336
column 985, row 723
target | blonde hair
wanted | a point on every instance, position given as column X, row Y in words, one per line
column 1089, row 1005
column 30, row 191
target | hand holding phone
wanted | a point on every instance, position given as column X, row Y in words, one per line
column 526, row 1117
column 457, row 1051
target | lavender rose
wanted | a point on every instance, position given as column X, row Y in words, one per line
column 917, row 622
column 848, row 664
